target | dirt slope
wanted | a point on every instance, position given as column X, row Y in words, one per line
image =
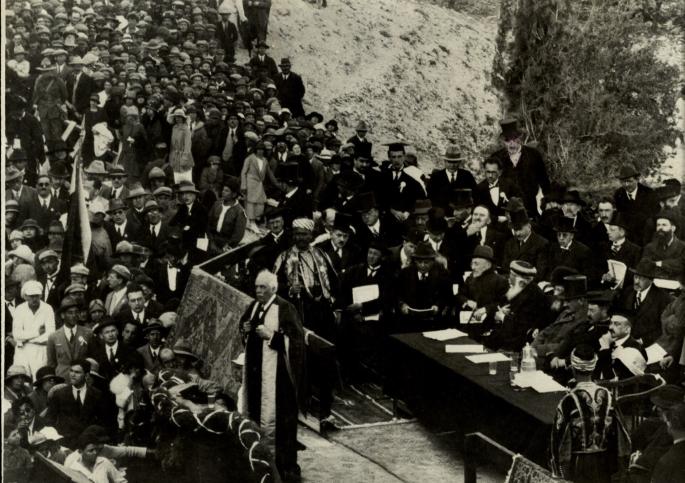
column 414, row 71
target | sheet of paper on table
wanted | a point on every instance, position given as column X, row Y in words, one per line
column 445, row 334
column 655, row 353
column 537, row 380
column 484, row 358
column 365, row 293
column 464, row 348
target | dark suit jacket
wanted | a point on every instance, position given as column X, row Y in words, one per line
column 55, row 209
column 290, row 93
column 362, row 147
column 637, row 211
column 226, row 37
column 269, row 64
column 578, row 256
column 132, row 233
column 28, row 203
column 400, row 194
column 300, row 204
column 532, row 251
column 440, row 188
column 607, row 367
column 193, row 224
column 390, row 233
column 357, row 276
column 647, row 318
column 123, row 194
column 529, row 174
column 423, row 294
column 123, row 356
column 485, row 290
column 507, row 187
column 671, row 466
column 68, row 418
column 79, row 94
column 161, row 278
column 151, row 364
column 350, row 256
column 494, row 238
column 628, row 254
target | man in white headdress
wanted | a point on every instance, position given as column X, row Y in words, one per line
column 33, row 322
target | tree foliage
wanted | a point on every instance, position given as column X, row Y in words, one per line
column 585, row 77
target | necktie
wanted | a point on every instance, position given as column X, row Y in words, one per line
column 154, row 355
column 120, row 230
column 111, row 354
column 152, row 231
column 79, row 400
column 615, row 247
column 139, row 318
column 638, row 299
column 372, row 271
column 69, row 334
column 45, row 204
column 339, row 252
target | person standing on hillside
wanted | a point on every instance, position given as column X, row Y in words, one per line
column 523, row 165
column 290, row 89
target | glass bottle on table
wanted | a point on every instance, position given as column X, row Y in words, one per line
column 528, row 359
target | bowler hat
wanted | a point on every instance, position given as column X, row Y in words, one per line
column 600, row 297
column 628, row 171
column 413, row 235
column 436, row 225
column 564, row 225
column 645, row 268
column 575, row 287
column 483, row 251
column 116, row 204
column 424, row 251
column 46, row 373
column 519, row 218
column 559, row 273
column 285, row 61
column 364, row 202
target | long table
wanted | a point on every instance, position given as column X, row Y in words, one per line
column 453, row 393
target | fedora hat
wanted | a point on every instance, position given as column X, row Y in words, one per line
column 285, row 61
column 452, row 153
column 564, row 225
column 183, row 349
column 628, row 171
column 153, row 324
column 645, row 268
column 424, row 251
column 136, row 192
column 45, row 374
column 12, row 173
column 422, row 207
column 96, row 167
column 483, row 251
column 519, row 218
column 117, row 170
column 575, row 287
column 187, row 187
column 58, row 170
column 116, row 204
column 151, row 205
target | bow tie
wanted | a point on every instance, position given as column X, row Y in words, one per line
column 493, row 186
column 615, row 247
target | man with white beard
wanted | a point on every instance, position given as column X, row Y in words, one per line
column 524, row 309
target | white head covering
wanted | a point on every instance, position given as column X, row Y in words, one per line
column 31, row 287
column 303, row 224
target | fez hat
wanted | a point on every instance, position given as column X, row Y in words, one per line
column 483, row 251
column 575, row 287
column 645, row 268
column 564, row 225
column 424, row 251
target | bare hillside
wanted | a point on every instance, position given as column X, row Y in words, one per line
column 415, row 71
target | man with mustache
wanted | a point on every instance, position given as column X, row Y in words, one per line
column 613, row 342
column 666, row 250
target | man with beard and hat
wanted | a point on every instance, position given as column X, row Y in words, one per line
column 424, row 291
column 525, row 244
column 582, row 452
column 451, row 177
column 636, row 201
column 522, row 164
column 667, row 251
column 569, row 252
column 274, row 368
column 71, row 341
column 524, row 308
column 646, row 300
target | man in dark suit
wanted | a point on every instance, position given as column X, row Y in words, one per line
column 156, row 230
column 296, row 203
column 191, row 218
column 362, row 146
column 375, row 226
column 152, row 331
column 398, row 191
column 636, row 201
column 340, row 250
column 666, row 250
column 524, row 309
column 647, row 301
column 263, row 62
column 671, row 466
column 495, row 191
column 74, row 406
column 290, row 89
column 569, row 253
column 79, row 87
column 424, row 291
column 136, row 311
column 609, row 365
column 49, row 207
column 599, row 233
column 571, row 206
column 112, row 355
column 525, row 245
column 523, row 164
column 480, row 232
column 118, row 176
column 25, row 196
column 173, row 272
column 444, row 181
column 58, row 174
column 226, row 33
column 69, row 343
column 51, row 277
column 120, row 228
column 617, row 247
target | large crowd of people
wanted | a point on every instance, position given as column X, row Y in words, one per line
column 187, row 153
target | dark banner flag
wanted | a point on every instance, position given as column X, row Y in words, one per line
column 77, row 236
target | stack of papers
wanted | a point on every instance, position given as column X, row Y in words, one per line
column 464, row 348
column 539, row 381
column 484, row 358
column 446, row 334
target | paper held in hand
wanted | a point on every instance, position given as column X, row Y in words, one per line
column 366, row 293
column 617, row 270
column 655, row 353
